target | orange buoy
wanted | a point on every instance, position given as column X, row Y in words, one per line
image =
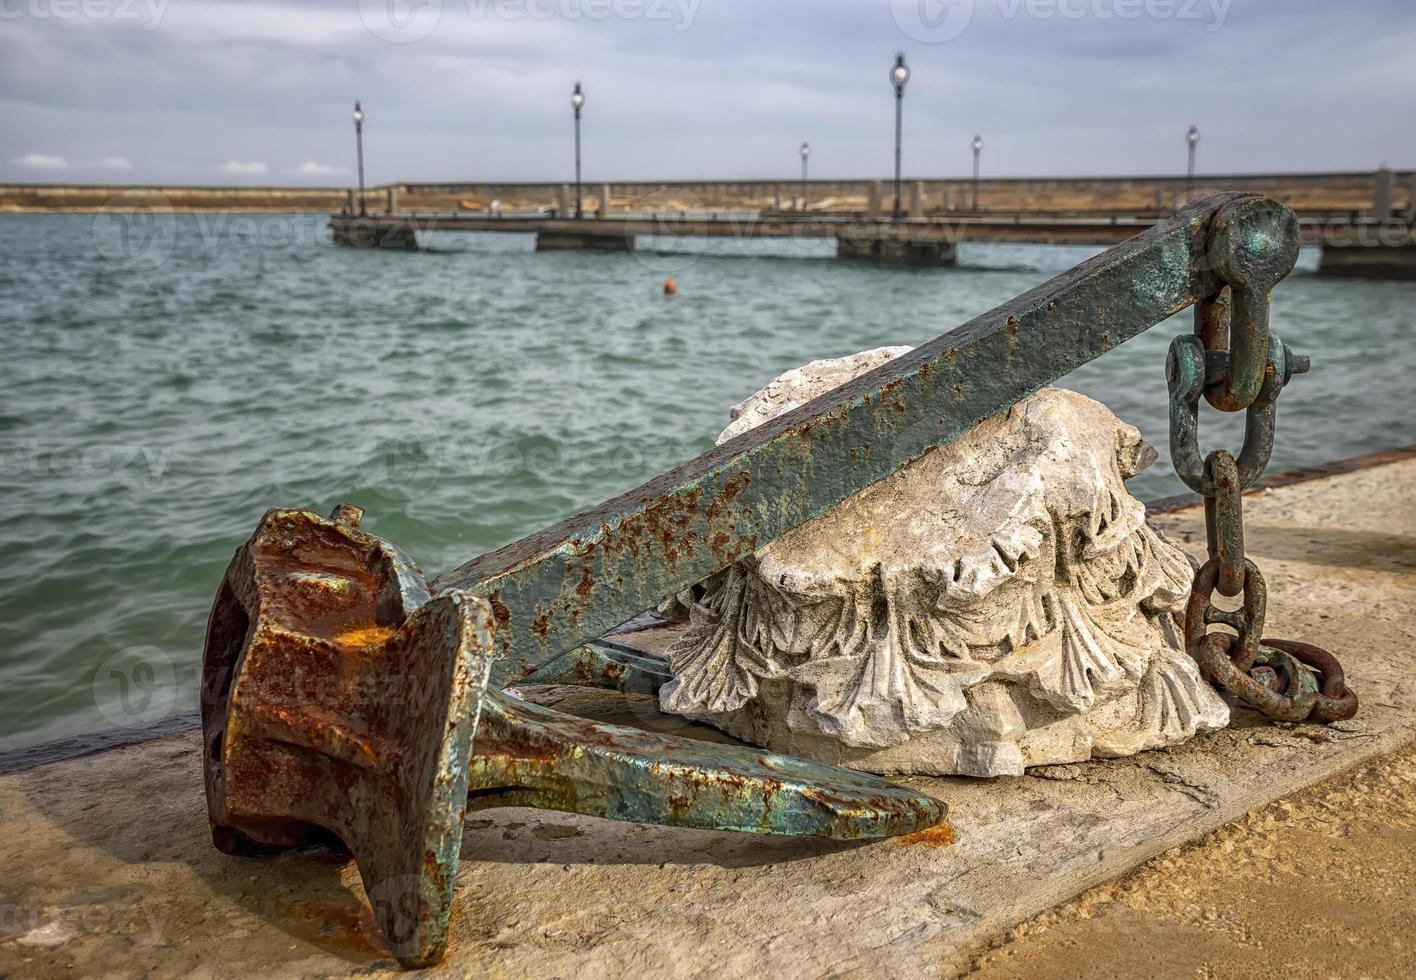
column 670, row 287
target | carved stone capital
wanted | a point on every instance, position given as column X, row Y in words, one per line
column 999, row 603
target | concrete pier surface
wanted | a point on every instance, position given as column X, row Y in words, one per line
column 1244, row 901
column 106, row 864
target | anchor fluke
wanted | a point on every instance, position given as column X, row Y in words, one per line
column 340, row 698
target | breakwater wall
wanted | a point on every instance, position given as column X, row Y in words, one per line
column 1326, row 193
column 115, row 197
column 1364, row 192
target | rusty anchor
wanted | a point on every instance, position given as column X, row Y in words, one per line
column 344, row 695
column 340, row 696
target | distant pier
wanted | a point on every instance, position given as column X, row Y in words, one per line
column 1352, row 246
column 1362, row 220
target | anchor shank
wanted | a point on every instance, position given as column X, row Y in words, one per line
column 572, row 582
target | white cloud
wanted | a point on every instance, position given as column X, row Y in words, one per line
column 227, row 21
column 311, row 169
column 115, row 163
column 453, row 23
column 43, row 161
column 242, row 168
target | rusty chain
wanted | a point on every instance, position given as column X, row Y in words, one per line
column 1237, row 364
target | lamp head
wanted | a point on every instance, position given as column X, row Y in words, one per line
column 577, row 98
column 900, row 73
column 358, row 114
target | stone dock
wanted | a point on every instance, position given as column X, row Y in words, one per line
column 106, row 864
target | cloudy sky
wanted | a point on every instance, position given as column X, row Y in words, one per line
column 223, row 91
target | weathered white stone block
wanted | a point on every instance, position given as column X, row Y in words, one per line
column 999, row 603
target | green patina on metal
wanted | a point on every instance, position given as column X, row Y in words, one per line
column 1238, row 364
column 531, row 756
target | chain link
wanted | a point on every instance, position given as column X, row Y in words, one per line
column 1236, row 363
column 1224, row 521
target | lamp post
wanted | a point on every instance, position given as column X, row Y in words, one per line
column 359, row 148
column 1191, row 138
column 805, row 152
column 577, row 102
column 977, row 148
column 899, row 75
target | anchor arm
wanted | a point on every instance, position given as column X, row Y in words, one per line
column 527, row 755
column 605, row 664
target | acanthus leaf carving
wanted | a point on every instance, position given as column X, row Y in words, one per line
column 999, row 602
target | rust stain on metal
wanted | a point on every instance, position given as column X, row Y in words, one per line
column 361, row 636
column 719, row 505
column 586, row 587
column 499, row 609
